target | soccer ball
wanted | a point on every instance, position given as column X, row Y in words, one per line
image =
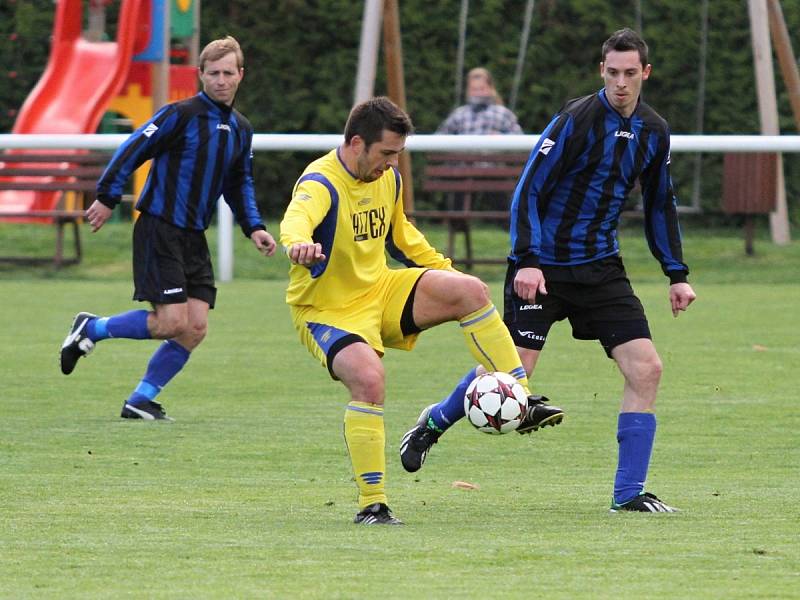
column 495, row 403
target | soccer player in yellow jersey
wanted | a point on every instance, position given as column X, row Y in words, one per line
column 348, row 305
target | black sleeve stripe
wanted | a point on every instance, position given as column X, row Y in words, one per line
column 563, row 235
column 172, row 179
column 198, row 172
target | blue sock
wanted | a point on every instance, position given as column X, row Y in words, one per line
column 451, row 409
column 635, row 434
column 131, row 325
column 165, row 363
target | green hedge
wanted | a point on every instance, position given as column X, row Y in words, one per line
column 301, row 60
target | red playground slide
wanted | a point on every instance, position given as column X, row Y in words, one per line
column 81, row 79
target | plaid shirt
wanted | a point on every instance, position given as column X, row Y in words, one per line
column 480, row 120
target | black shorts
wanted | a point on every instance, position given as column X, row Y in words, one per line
column 596, row 297
column 170, row 264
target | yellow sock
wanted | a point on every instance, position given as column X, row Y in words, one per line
column 490, row 343
column 365, row 437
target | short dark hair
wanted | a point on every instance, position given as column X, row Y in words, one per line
column 625, row 40
column 370, row 118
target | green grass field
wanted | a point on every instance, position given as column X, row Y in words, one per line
column 249, row 493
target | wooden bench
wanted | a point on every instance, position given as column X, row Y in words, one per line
column 55, row 187
column 470, row 187
column 749, row 187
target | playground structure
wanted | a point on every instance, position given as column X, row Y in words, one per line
column 86, row 77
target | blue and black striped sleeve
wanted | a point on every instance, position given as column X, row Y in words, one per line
column 239, row 188
column 147, row 141
column 661, row 213
column 538, row 178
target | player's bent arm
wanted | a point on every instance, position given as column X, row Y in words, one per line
column 309, row 205
column 296, row 238
column 143, row 144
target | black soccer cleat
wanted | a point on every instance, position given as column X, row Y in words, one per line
column 644, row 502
column 147, row 411
column 417, row 442
column 77, row 343
column 540, row 414
column 376, row 514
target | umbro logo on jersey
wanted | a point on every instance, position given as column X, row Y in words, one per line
column 625, row 134
column 364, row 201
column 547, row 143
column 150, row 130
column 224, row 126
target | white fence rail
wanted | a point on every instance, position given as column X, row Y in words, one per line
column 421, row 143
column 296, row 142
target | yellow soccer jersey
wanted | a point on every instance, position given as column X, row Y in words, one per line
column 356, row 222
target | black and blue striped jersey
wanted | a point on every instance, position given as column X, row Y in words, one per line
column 567, row 202
column 200, row 150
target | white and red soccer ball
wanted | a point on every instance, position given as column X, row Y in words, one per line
column 495, row 403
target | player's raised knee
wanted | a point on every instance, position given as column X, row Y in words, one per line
column 471, row 292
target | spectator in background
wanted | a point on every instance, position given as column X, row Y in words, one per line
column 484, row 112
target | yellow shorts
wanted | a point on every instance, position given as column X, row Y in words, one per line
column 374, row 319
